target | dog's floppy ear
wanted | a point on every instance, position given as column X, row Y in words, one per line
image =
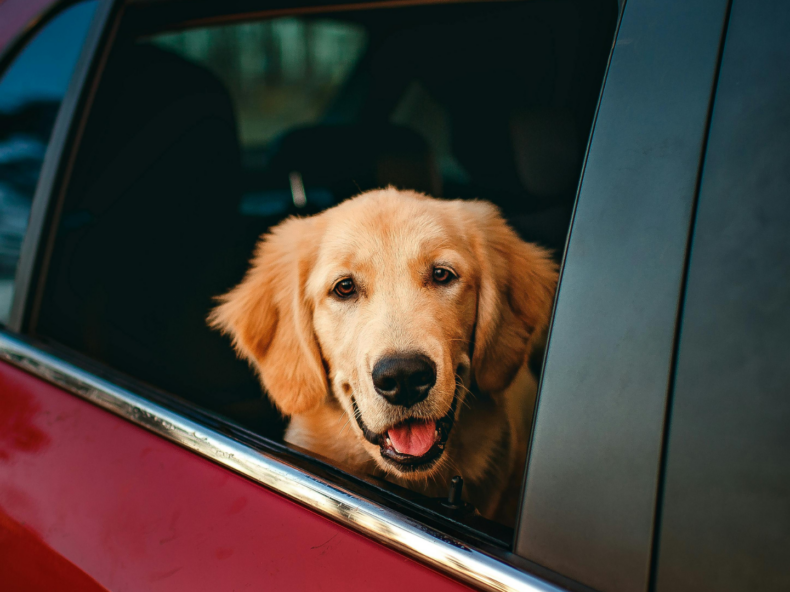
column 515, row 296
column 270, row 320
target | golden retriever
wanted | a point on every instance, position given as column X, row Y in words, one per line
column 394, row 330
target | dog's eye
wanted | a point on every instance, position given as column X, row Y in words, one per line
column 442, row 275
column 345, row 288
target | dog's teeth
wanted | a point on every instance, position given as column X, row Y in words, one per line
column 389, row 442
column 436, row 434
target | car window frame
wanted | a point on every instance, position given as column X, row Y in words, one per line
column 58, row 158
column 597, row 529
column 475, row 563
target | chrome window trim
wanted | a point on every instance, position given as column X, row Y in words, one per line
column 439, row 551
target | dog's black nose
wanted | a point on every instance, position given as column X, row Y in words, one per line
column 404, row 379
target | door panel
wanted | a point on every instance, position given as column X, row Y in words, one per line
column 136, row 512
column 726, row 508
column 28, row 563
column 593, row 471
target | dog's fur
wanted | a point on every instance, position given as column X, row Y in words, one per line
column 314, row 350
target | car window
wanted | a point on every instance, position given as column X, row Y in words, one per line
column 282, row 75
column 200, row 141
column 31, row 90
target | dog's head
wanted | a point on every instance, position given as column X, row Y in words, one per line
column 395, row 304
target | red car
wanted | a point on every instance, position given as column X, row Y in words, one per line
column 146, row 144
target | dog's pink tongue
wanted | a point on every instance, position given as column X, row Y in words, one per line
column 413, row 438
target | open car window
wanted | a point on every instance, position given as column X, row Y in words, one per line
column 201, row 139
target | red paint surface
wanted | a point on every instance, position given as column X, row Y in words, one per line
column 18, row 433
column 27, row 563
column 102, row 496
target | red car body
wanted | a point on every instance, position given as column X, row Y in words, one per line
column 85, row 492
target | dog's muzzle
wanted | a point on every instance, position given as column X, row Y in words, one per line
column 412, row 445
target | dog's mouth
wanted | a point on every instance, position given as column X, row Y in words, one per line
column 411, row 445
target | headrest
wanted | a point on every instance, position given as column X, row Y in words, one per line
column 144, row 237
column 347, row 159
column 157, row 114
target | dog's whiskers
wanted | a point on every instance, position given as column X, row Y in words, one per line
column 459, row 383
column 345, row 425
column 455, row 469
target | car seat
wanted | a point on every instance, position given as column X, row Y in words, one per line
column 147, row 235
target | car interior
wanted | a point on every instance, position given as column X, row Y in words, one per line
column 201, row 138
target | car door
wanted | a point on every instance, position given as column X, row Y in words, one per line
column 134, row 488
column 593, row 474
column 724, row 521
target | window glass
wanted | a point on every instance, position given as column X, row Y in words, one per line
column 200, row 141
column 281, row 74
column 31, row 90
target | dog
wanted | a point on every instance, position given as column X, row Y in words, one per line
column 394, row 331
